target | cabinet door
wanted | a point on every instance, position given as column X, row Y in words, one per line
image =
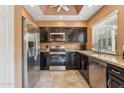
column 73, row 61
column 44, row 62
column 76, row 64
column 81, row 35
column 44, row 34
column 71, row 34
column 69, row 61
column 84, row 68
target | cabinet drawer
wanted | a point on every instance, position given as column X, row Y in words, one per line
column 116, row 71
column 115, row 82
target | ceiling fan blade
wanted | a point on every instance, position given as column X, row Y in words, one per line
column 65, row 8
column 59, row 8
column 51, row 6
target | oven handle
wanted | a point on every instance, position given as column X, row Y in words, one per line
column 115, row 71
column 109, row 83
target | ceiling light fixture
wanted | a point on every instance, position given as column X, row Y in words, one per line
column 39, row 17
column 31, row 5
column 80, row 17
column 60, row 17
column 89, row 6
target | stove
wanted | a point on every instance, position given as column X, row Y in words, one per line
column 57, row 58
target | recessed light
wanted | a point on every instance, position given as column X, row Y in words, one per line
column 80, row 17
column 90, row 6
column 60, row 17
column 31, row 5
column 39, row 17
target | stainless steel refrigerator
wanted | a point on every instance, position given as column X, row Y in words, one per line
column 31, row 53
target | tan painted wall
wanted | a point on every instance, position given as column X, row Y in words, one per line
column 62, row 23
column 19, row 11
column 17, row 47
column 71, row 46
column 101, row 14
column 27, row 15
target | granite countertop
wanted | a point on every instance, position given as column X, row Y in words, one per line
column 66, row 50
column 110, row 59
column 72, row 50
column 44, row 50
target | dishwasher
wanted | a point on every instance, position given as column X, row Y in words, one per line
column 97, row 73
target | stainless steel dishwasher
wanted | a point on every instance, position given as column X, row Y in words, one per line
column 97, row 73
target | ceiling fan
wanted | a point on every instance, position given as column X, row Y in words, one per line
column 59, row 7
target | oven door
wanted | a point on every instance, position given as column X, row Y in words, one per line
column 57, row 62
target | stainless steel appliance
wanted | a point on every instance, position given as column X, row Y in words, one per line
column 31, row 54
column 57, row 37
column 97, row 73
column 57, row 58
column 115, row 77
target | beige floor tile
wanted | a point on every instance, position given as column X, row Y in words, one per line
column 61, row 79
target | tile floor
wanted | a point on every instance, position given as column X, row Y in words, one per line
column 61, row 79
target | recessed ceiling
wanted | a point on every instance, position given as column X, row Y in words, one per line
column 52, row 10
column 75, row 12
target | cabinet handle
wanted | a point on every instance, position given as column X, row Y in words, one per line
column 109, row 83
column 115, row 71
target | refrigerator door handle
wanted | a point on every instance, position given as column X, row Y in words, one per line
column 35, row 56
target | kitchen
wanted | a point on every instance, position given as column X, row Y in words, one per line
column 66, row 46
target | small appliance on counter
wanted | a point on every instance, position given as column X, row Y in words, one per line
column 83, row 46
column 47, row 48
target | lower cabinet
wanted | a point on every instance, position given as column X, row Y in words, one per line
column 44, row 63
column 115, row 77
column 76, row 64
column 73, row 61
column 84, row 66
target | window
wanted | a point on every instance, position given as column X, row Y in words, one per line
column 104, row 34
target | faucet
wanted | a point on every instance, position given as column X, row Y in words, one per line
column 98, row 47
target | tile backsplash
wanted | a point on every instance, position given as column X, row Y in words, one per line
column 69, row 46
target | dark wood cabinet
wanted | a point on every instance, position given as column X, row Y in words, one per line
column 76, row 35
column 77, row 61
column 73, row 61
column 44, row 61
column 115, row 77
column 84, row 66
column 72, row 34
column 69, row 61
column 82, row 35
column 44, row 34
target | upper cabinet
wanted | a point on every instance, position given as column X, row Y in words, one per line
column 72, row 34
column 44, row 34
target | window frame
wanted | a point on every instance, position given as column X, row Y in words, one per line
column 100, row 22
